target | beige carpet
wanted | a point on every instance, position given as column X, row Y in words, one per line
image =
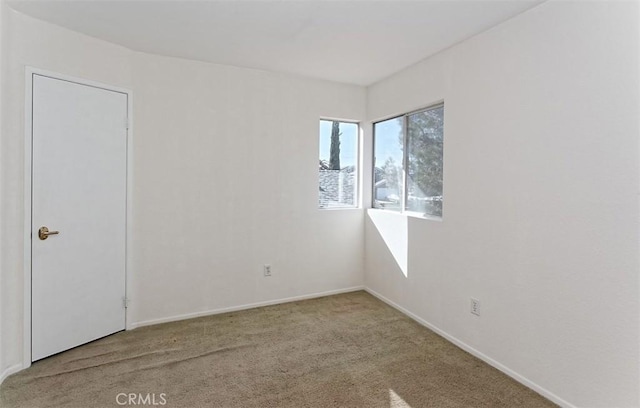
column 340, row 351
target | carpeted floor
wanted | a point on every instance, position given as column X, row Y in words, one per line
column 347, row 350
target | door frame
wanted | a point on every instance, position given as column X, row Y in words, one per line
column 28, row 178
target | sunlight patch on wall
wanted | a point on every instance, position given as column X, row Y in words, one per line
column 393, row 229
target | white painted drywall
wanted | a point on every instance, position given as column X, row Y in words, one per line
column 225, row 180
column 541, row 200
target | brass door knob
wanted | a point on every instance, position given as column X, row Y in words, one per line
column 43, row 233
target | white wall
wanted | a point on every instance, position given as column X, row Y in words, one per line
column 541, row 200
column 225, row 180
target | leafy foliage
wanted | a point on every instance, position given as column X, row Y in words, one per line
column 392, row 174
column 425, row 161
column 424, row 165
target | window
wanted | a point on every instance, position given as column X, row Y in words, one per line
column 408, row 162
column 338, row 167
column 388, row 157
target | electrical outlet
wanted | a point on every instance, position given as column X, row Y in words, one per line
column 475, row 307
column 267, row 270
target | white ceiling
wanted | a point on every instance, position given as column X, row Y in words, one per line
column 358, row 42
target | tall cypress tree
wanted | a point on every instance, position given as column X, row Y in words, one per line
column 334, row 153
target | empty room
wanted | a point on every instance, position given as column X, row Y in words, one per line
column 397, row 204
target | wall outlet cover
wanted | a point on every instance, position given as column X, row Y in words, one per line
column 475, row 307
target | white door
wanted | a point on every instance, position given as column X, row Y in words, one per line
column 79, row 176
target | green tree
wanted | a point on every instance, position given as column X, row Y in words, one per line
column 391, row 174
column 334, row 152
column 425, row 159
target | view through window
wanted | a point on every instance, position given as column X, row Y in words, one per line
column 408, row 162
column 338, row 165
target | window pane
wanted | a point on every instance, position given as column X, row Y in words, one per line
column 338, row 173
column 387, row 164
column 424, row 156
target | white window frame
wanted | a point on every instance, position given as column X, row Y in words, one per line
column 358, row 164
column 405, row 157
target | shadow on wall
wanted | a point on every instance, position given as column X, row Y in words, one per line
column 393, row 230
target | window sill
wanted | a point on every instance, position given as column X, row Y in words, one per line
column 422, row 216
column 409, row 214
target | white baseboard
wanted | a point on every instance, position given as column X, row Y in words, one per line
column 521, row 379
column 242, row 307
column 10, row 370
